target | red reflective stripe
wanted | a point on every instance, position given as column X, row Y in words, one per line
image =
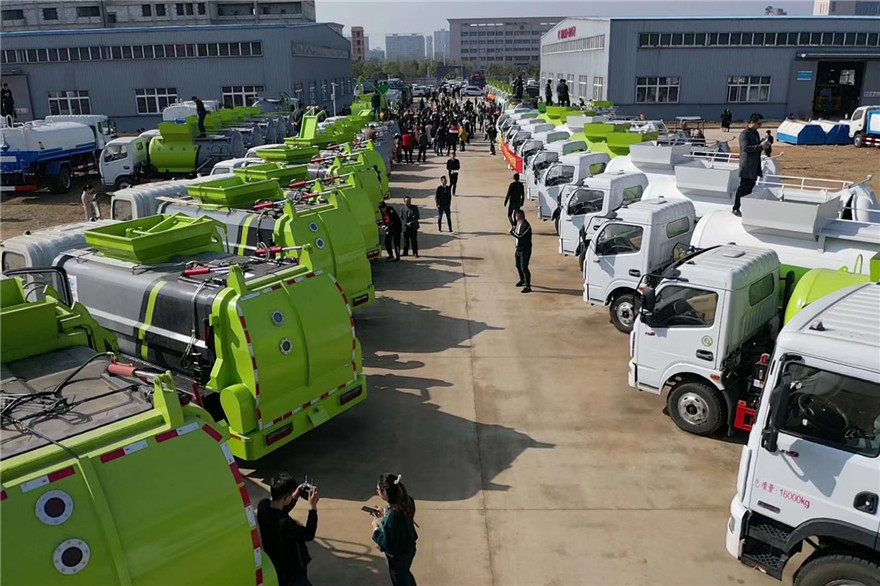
column 291, row 281
column 352, row 322
column 287, row 415
column 236, row 473
column 63, row 473
column 245, row 498
column 243, row 322
column 255, row 537
column 259, row 576
column 257, row 391
column 354, row 344
column 277, row 420
column 110, row 456
column 310, row 275
column 162, row 437
column 276, row 287
column 325, row 396
column 213, row 432
column 3, row 496
column 345, row 297
column 307, row 405
column 247, row 336
column 340, row 387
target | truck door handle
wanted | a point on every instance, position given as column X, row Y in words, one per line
column 125, row 167
column 705, row 355
column 866, row 502
column 635, row 273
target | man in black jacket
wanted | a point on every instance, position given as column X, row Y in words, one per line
column 453, row 166
column 522, row 231
column 443, row 200
column 201, row 112
column 750, row 148
column 283, row 539
column 516, row 195
column 393, row 228
column 410, row 227
column 562, row 93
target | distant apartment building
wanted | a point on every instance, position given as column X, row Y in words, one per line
column 513, row 41
column 846, row 7
column 441, row 44
column 429, row 47
column 376, row 55
column 402, row 47
column 33, row 15
column 359, row 46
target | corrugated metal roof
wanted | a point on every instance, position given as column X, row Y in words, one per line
column 161, row 29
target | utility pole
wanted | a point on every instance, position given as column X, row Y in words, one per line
column 333, row 85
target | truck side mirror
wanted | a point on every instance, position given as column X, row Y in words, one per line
column 648, row 300
column 776, row 421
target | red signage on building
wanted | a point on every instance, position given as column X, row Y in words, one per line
column 567, row 33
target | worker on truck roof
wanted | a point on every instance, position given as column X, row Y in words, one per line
column 284, row 540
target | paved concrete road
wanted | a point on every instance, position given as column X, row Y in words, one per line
column 531, row 460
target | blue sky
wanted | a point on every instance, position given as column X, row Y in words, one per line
column 426, row 16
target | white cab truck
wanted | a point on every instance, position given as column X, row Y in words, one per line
column 864, row 126
column 809, row 476
column 584, row 204
column 567, row 169
column 633, row 241
column 701, row 330
column 546, row 157
column 526, row 133
column 536, row 143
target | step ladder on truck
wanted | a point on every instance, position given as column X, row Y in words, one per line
column 809, row 476
column 104, row 462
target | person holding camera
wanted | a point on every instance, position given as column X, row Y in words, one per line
column 284, row 540
column 394, row 529
column 750, row 148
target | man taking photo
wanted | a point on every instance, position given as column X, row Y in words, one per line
column 284, row 540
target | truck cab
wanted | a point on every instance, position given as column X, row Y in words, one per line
column 545, row 159
column 526, row 133
column 810, row 472
column 568, row 169
column 864, row 126
column 121, row 159
column 697, row 331
column 633, row 241
column 535, row 143
column 582, row 205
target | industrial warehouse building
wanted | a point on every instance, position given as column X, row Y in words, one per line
column 667, row 67
column 131, row 74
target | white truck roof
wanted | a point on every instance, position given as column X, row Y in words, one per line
column 585, row 156
column 848, row 318
column 729, row 267
column 566, row 146
column 40, row 247
column 655, row 211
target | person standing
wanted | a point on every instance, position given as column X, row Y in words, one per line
column 451, row 139
column 453, row 166
column 443, row 201
column 410, row 227
column 548, row 93
column 407, row 146
column 376, row 103
column 518, row 88
column 750, row 148
column 562, row 92
column 492, row 135
column 283, row 539
column 201, row 112
column 89, row 202
column 423, row 146
column 394, row 529
column 516, row 195
column 522, row 231
column 726, row 119
column 768, row 138
column 393, row 228
column 463, row 135
column 7, row 102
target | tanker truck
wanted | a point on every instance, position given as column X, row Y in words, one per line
column 104, row 462
column 41, row 154
column 267, row 345
column 637, row 243
column 810, row 473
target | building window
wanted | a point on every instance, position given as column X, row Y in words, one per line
column 660, row 90
column 201, row 8
column 154, row 100
column 748, row 89
column 69, row 102
column 598, row 88
column 50, row 14
column 240, row 95
column 88, row 11
column 313, row 93
column 146, row 10
column 582, row 86
column 160, row 10
column 12, row 14
column 324, row 89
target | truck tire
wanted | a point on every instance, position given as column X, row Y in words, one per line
column 830, row 569
column 696, row 408
column 624, row 310
column 62, row 182
column 858, row 140
column 123, row 182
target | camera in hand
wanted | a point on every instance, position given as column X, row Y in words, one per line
column 306, row 488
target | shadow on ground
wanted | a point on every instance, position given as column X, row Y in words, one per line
column 351, row 562
column 399, row 428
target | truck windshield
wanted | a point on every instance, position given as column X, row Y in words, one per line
column 542, row 161
column 833, row 409
column 586, row 201
column 681, row 307
column 115, row 152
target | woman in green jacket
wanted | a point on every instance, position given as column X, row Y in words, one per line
column 394, row 530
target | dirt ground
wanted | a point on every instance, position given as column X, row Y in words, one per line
column 33, row 211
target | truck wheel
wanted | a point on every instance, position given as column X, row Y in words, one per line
column 696, row 408
column 122, row 183
column 62, row 182
column 858, row 140
column 624, row 309
column 828, row 570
